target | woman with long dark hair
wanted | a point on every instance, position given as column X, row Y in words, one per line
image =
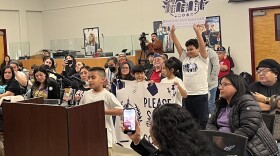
column 49, row 64
column 124, row 72
column 238, row 112
column 10, row 86
column 174, row 132
column 5, row 62
column 68, row 69
column 43, row 85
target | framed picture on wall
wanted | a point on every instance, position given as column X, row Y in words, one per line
column 163, row 34
column 91, row 40
column 212, row 31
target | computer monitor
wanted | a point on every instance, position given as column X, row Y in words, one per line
column 106, row 54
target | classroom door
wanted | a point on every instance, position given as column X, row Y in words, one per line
column 264, row 35
column 3, row 44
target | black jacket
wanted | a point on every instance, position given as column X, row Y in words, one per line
column 245, row 119
column 145, row 148
column 53, row 90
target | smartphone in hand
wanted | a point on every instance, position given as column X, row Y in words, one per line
column 69, row 62
column 129, row 117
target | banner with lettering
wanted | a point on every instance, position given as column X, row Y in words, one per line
column 144, row 98
column 184, row 22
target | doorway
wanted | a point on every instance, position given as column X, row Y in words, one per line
column 263, row 34
column 3, row 44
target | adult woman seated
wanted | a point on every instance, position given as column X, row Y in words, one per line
column 78, row 67
column 174, row 132
column 43, row 85
column 82, row 87
column 268, row 84
column 49, row 63
column 10, row 86
column 237, row 112
column 124, row 72
column 68, row 67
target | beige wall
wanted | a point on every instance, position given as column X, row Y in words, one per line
column 63, row 19
column 18, row 18
column 136, row 16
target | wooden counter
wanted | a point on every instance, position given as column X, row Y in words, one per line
column 92, row 62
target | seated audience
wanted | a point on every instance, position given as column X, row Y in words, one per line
column 224, row 63
column 268, row 84
column 68, row 67
column 224, row 66
column 122, row 58
column 149, row 65
column 124, row 72
column 171, row 72
column 111, row 104
column 83, row 87
column 11, row 86
column 173, row 132
column 99, row 50
column 5, row 62
column 154, row 74
column 238, row 112
column 49, row 63
column 111, row 71
column 19, row 76
column 138, row 71
column 78, row 67
column 165, row 57
column 43, row 85
column 31, row 78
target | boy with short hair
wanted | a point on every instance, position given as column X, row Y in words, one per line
column 138, row 72
column 112, row 106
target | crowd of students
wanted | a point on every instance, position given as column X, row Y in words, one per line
column 198, row 73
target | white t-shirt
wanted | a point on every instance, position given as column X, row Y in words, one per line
column 179, row 97
column 21, row 74
column 195, row 74
column 110, row 102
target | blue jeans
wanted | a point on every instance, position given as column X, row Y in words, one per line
column 211, row 102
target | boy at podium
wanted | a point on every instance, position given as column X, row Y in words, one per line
column 111, row 104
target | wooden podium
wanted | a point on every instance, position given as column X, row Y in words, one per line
column 32, row 128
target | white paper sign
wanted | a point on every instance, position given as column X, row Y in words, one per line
column 145, row 99
column 184, row 22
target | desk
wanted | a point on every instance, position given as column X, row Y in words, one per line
column 92, row 62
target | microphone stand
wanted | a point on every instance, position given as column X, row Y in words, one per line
column 72, row 100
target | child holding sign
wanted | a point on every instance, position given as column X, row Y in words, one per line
column 171, row 72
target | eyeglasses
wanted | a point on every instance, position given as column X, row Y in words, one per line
column 125, row 68
column 223, row 85
column 263, row 71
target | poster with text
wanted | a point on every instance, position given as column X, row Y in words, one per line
column 144, row 98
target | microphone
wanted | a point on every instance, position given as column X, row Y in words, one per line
column 74, row 86
column 56, row 74
column 77, row 79
column 59, row 76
